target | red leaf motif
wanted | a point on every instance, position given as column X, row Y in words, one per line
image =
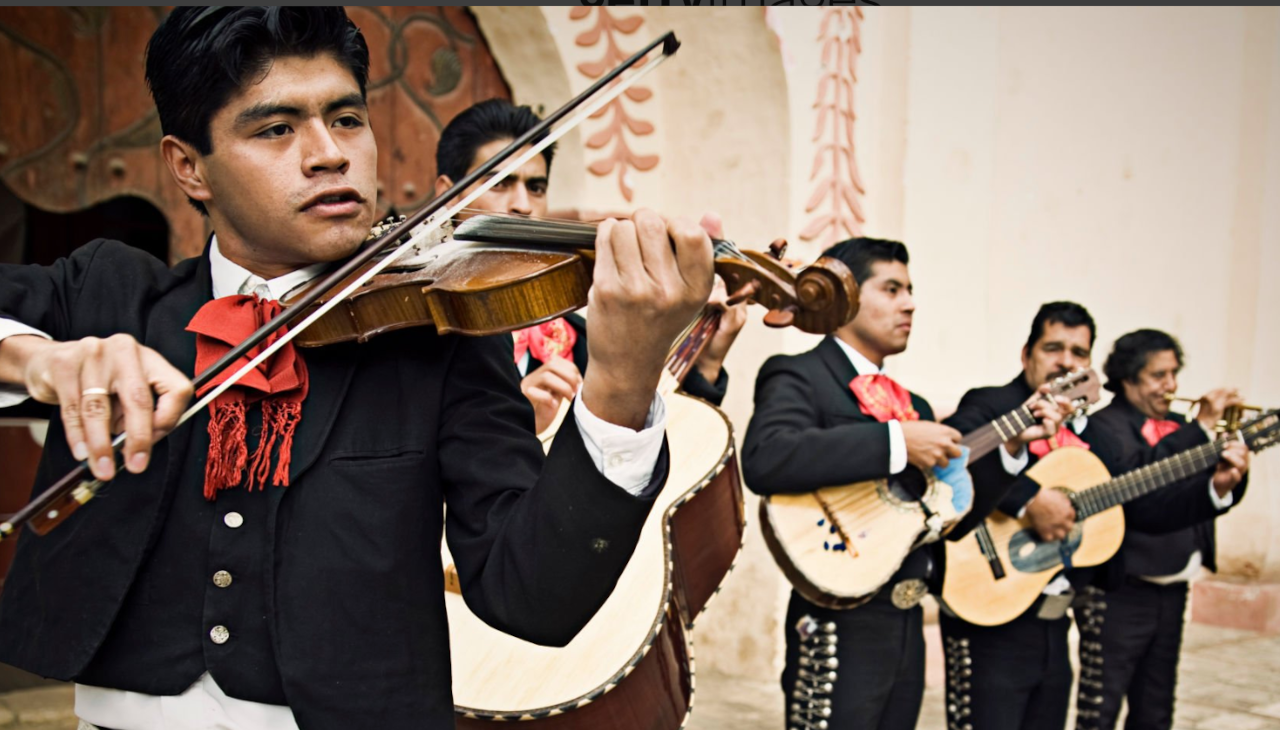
column 819, row 193
column 822, row 123
column 638, row 94
column 639, row 127
column 600, row 139
column 815, row 227
column 592, row 69
column 579, row 13
column 817, row 165
column 628, row 25
column 644, row 163
column 602, row 166
column 588, row 38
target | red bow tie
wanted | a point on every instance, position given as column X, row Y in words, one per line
column 280, row 382
column 883, row 399
column 1064, row 437
column 546, row 341
column 1154, row 430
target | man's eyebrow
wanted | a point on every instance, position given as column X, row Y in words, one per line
column 266, row 110
column 350, row 100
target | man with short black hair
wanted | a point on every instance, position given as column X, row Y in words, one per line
column 829, row 417
column 1136, row 606
column 275, row 562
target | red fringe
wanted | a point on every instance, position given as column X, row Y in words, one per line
column 226, row 442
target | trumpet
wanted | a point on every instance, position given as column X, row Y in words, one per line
column 1232, row 417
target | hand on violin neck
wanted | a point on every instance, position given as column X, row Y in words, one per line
column 732, row 318
column 652, row 277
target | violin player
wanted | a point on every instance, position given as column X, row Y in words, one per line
column 552, row 356
column 831, row 416
column 1141, row 593
column 1019, row 673
column 275, row 561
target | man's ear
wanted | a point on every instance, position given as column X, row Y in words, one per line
column 186, row 165
column 1025, row 352
column 443, row 183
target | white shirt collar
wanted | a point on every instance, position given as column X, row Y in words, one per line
column 230, row 278
column 861, row 364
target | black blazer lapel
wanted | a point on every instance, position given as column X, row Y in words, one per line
column 329, row 370
column 167, row 335
column 837, row 363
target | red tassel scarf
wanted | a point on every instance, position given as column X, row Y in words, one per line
column 280, row 383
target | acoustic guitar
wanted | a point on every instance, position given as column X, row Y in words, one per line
column 839, row 545
column 631, row 667
column 996, row 572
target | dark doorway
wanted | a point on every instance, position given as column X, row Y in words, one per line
column 30, row 235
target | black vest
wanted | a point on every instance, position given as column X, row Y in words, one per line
column 182, row 616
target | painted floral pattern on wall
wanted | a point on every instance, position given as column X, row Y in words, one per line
column 833, row 210
column 619, row 158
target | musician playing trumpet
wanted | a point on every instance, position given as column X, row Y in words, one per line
column 1135, row 609
column 1017, row 675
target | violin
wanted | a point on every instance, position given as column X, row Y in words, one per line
column 505, row 297
column 498, row 273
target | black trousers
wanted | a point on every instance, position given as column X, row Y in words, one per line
column 880, row 679
column 1129, row 644
column 1016, row 676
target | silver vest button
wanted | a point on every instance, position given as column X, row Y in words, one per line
column 233, row 519
column 219, row 634
column 222, row 579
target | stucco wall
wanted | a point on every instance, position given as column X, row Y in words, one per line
column 1125, row 158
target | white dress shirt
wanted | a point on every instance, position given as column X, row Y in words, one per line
column 624, row 456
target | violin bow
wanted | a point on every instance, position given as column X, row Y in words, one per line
column 420, row 226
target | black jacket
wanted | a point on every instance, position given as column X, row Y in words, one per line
column 1122, row 424
column 808, row 432
column 1169, row 509
column 391, row 431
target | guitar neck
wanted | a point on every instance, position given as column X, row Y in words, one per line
column 683, row 355
column 1134, row 484
column 986, row 439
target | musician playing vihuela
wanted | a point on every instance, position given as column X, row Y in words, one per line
column 274, row 561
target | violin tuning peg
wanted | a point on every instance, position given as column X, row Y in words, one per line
column 778, row 248
column 781, row 317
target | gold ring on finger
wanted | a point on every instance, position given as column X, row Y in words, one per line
column 94, row 391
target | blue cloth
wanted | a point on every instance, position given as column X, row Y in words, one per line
column 957, row 475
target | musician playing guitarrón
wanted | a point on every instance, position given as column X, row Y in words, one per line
column 275, row 562
column 830, row 417
column 552, row 356
column 1018, row 675
column 1136, row 611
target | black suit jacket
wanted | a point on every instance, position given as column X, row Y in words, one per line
column 1122, row 425
column 694, row 383
column 390, row 432
column 808, row 432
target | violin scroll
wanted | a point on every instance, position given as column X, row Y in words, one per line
column 818, row 299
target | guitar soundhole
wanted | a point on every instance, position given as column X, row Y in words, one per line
column 1029, row 554
column 907, row 487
